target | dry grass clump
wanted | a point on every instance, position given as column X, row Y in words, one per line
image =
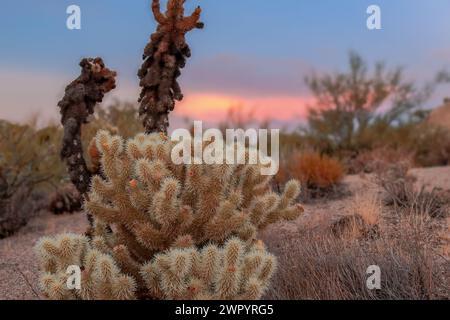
column 368, row 208
column 319, row 175
column 322, row 266
column 402, row 194
column 445, row 236
column 364, row 221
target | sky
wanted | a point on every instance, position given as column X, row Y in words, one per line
column 252, row 53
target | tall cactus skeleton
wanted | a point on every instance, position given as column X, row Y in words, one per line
column 77, row 105
column 162, row 230
column 163, row 57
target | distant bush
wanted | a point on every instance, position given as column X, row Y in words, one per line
column 431, row 146
column 29, row 166
column 318, row 174
column 415, row 141
column 364, row 109
column 118, row 118
column 349, row 104
column 376, row 160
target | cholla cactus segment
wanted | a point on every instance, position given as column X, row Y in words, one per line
column 164, row 56
column 101, row 279
column 212, row 273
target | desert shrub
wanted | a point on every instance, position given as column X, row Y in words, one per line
column 29, row 166
column 420, row 142
column 19, row 209
column 364, row 109
column 377, row 160
column 347, row 104
column 431, row 146
column 117, row 117
column 318, row 174
column 66, row 199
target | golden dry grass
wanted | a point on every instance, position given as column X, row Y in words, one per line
column 321, row 264
column 368, row 207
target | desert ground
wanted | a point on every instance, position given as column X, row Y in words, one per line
column 19, row 267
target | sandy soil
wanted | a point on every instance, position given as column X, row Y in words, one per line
column 18, row 265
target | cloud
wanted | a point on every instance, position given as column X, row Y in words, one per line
column 25, row 94
column 246, row 76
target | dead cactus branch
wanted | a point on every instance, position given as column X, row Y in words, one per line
column 78, row 104
column 164, row 57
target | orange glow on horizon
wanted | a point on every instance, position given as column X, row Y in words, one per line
column 211, row 107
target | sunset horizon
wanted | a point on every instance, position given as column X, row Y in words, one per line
column 258, row 63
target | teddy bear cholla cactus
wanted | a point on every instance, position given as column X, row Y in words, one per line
column 178, row 231
column 229, row 272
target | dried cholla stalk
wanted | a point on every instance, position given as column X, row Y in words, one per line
column 151, row 214
column 78, row 104
column 164, row 56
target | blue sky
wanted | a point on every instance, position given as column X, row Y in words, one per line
column 250, row 49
